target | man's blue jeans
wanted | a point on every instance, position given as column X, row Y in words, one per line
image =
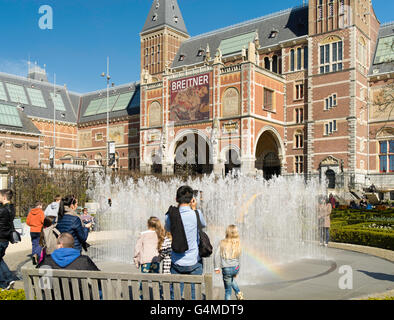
column 229, row 282
column 6, row 275
column 196, row 269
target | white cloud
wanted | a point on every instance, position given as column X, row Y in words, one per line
column 15, row 67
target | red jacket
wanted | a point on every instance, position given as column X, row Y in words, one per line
column 35, row 219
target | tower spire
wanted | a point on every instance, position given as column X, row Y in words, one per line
column 165, row 13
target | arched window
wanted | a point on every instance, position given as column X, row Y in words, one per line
column 292, row 60
column 267, row 63
column 275, row 64
column 331, row 54
column 299, row 58
column 299, row 139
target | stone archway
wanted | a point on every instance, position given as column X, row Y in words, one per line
column 192, row 154
column 269, row 154
column 232, row 161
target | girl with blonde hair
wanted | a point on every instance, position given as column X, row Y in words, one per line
column 227, row 258
column 146, row 252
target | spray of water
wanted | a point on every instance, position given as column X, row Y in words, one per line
column 277, row 219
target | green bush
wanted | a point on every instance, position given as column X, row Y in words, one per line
column 12, row 295
column 378, row 239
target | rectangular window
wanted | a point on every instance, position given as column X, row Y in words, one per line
column 299, row 91
column 383, row 147
column 331, row 57
column 391, row 143
column 299, row 164
column 391, row 160
column 383, row 163
column 268, row 99
column 327, row 129
column 334, row 125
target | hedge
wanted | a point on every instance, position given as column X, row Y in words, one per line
column 12, row 295
column 378, row 239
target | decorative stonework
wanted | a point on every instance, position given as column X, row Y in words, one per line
column 329, row 161
column 155, row 114
column 230, row 102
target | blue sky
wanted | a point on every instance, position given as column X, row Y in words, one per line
column 86, row 32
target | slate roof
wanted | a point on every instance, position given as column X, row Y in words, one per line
column 27, row 125
column 386, row 34
column 133, row 106
column 289, row 24
column 165, row 13
column 46, row 88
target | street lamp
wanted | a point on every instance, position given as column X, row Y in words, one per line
column 108, row 77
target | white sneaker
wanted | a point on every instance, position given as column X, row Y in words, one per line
column 10, row 285
column 326, row 244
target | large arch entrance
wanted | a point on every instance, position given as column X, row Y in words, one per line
column 233, row 162
column 192, row 155
column 268, row 155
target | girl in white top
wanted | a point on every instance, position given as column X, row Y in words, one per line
column 227, row 258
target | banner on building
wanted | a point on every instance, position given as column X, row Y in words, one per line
column 190, row 98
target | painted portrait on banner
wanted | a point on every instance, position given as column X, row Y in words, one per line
column 190, row 98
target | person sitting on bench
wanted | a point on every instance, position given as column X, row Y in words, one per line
column 66, row 257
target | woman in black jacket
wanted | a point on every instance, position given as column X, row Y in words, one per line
column 7, row 215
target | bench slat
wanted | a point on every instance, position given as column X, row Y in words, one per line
column 156, row 290
column 198, row 291
column 125, row 290
column 37, row 288
column 145, row 290
column 57, row 293
column 75, row 286
column 85, row 289
column 66, row 289
column 135, row 285
column 177, row 291
column 166, row 291
column 188, row 291
column 95, row 289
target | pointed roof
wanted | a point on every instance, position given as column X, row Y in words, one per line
column 165, row 13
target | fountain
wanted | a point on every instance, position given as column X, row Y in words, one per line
column 277, row 219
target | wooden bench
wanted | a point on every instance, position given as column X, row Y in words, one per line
column 50, row 284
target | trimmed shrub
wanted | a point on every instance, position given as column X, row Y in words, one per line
column 12, row 295
column 378, row 239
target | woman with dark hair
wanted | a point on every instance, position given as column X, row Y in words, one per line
column 7, row 215
column 70, row 222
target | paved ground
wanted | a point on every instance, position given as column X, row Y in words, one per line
column 302, row 280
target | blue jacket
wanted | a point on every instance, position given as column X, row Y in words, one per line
column 72, row 224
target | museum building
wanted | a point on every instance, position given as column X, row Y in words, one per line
column 301, row 91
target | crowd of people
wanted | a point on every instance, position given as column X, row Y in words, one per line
column 176, row 245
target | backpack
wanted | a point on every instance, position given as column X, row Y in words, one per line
column 205, row 248
column 50, row 237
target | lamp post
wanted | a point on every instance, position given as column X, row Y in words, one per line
column 108, row 77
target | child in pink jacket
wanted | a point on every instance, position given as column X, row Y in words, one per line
column 146, row 252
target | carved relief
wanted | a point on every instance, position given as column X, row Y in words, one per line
column 330, row 161
column 154, row 114
column 230, row 103
column 85, row 139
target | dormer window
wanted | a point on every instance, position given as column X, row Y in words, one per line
column 273, row 34
column 200, row 52
column 181, row 57
column 154, row 18
column 176, row 19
